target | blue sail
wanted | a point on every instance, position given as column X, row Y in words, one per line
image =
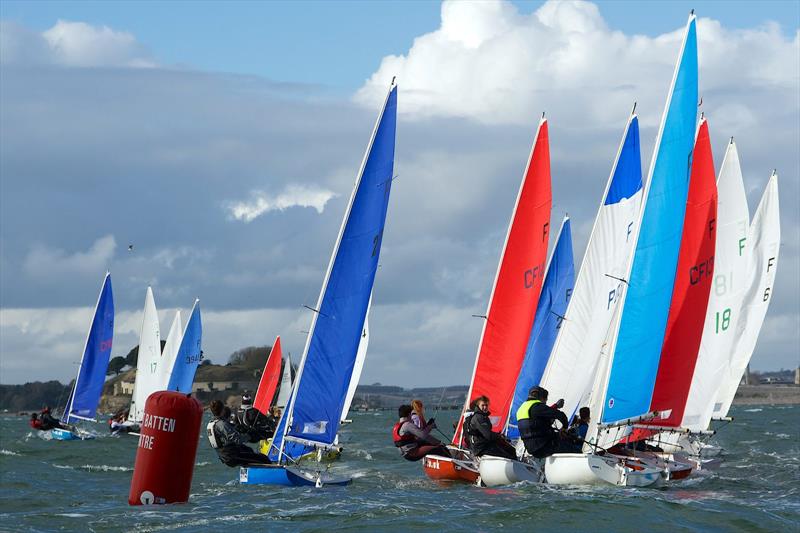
column 82, row 404
column 646, row 305
column 556, row 292
column 324, row 375
column 189, row 354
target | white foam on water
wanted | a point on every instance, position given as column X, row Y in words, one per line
column 756, row 410
column 73, row 515
column 106, row 468
column 8, row 452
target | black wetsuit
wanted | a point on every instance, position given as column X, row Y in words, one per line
column 483, row 441
column 250, row 422
column 539, row 436
column 48, row 422
column 229, row 446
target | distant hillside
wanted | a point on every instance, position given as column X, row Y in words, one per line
column 32, row 396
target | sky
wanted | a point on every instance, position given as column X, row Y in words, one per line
column 222, row 141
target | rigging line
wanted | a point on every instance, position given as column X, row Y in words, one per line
column 315, row 310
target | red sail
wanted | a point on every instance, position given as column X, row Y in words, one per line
column 269, row 379
column 693, row 278
column 516, row 289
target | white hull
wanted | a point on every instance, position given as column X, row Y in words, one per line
column 499, row 471
column 590, row 469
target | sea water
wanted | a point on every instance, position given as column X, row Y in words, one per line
column 83, row 485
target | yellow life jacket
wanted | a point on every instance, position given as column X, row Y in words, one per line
column 523, row 411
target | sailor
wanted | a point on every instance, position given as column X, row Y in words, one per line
column 480, row 437
column 415, row 443
column 35, row 422
column 418, row 414
column 47, row 421
column 250, row 422
column 227, row 442
column 272, row 420
column 580, row 424
column 535, row 422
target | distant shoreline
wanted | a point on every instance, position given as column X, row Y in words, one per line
column 767, row 394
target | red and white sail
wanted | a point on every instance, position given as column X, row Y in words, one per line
column 516, row 289
column 269, row 378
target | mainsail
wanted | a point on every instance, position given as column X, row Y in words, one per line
column 571, row 370
column 170, row 351
column 148, row 361
column 692, row 286
column 763, row 247
column 556, row 292
column 516, row 289
column 724, row 302
column 269, row 378
column 323, row 377
column 285, row 388
column 82, row 403
column 639, row 338
column 189, row 353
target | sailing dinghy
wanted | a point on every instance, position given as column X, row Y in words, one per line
column 628, row 365
column 88, row 386
column 511, row 310
column 556, row 292
column 312, row 418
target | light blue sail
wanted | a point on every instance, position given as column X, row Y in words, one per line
column 189, row 354
column 556, row 292
column 324, row 374
column 649, row 292
column 82, row 404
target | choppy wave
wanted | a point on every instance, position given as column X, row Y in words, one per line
column 8, row 452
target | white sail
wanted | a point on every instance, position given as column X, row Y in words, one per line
column 285, row 390
column 149, row 359
column 571, row 368
column 725, row 300
column 361, row 355
column 170, row 352
column 761, row 252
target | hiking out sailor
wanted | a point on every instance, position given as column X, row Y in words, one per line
column 415, row 443
column 35, row 422
column 480, row 437
column 580, row 424
column 48, row 422
column 227, row 442
column 250, row 422
column 535, row 422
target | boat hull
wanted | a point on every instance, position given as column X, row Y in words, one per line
column 499, row 471
column 288, row 476
column 461, row 468
column 591, row 469
column 66, row 434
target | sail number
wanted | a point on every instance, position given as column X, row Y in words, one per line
column 723, row 320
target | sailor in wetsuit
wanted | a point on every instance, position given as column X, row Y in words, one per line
column 480, row 437
column 46, row 420
column 415, row 443
column 250, row 422
column 535, row 421
column 227, row 442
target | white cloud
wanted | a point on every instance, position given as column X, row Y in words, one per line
column 44, row 261
column 490, row 63
column 72, row 44
column 292, row 196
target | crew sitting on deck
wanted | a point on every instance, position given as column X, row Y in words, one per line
column 48, row 422
column 580, row 424
column 250, row 422
column 271, row 422
column 414, row 442
column 418, row 414
column 480, row 437
column 535, row 421
column 35, row 422
column 227, row 442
